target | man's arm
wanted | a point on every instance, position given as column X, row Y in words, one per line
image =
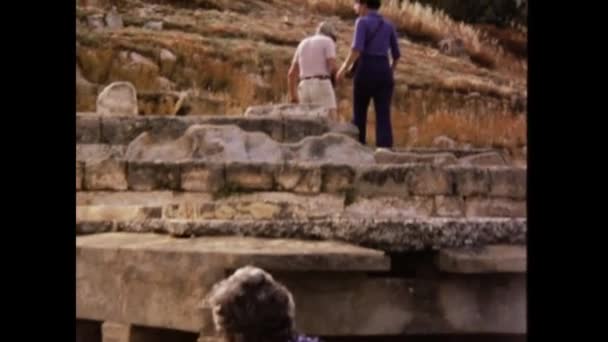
column 357, row 46
column 292, row 77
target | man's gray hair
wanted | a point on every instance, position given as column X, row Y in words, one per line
column 326, row 28
column 251, row 303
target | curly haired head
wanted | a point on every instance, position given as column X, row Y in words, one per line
column 252, row 305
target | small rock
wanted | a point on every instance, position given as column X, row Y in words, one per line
column 114, row 19
column 167, row 61
column 452, row 46
column 444, row 142
column 95, row 21
column 118, row 98
column 156, row 25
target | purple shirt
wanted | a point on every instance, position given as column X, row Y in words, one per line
column 384, row 39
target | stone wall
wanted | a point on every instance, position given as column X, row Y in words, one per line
column 392, row 190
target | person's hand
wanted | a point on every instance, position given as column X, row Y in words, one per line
column 340, row 75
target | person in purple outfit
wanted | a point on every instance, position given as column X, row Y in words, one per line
column 373, row 75
column 250, row 306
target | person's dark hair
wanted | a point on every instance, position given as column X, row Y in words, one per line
column 371, row 4
column 250, row 306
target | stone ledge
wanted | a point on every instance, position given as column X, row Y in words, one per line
column 388, row 235
column 121, row 130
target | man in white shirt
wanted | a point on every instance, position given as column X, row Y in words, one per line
column 314, row 63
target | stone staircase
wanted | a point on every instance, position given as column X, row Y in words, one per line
column 416, row 241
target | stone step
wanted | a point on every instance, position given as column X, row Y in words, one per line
column 405, row 235
column 386, row 190
column 121, row 130
column 159, row 281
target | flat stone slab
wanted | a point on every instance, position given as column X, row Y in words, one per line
column 159, row 281
column 389, row 235
column 237, row 251
column 121, row 130
column 488, row 259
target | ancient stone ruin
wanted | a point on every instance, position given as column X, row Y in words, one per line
column 371, row 242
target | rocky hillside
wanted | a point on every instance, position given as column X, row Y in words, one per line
column 219, row 57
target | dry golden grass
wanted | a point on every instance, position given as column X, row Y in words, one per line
column 423, row 22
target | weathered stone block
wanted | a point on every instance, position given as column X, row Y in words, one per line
column 495, row 207
column 296, row 129
column 382, row 180
column 181, row 211
column 105, row 174
column 429, row 180
column 203, row 177
column 470, row 181
column 244, row 176
column 508, row 182
column 449, row 206
column 79, row 174
column 337, row 178
column 302, row 178
column 88, row 129
column 147, row 176
column 122, row 130
column 116, row 212
column 487, row 259
column 390, row 207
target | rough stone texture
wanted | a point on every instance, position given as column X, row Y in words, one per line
column 105, row 174
column 209, row 143
column 115, row 332
column 449, row 206
column 391, row 306
column 429, row 180
column 288, row 110
column 156, row 25
column 204, row 177
column 121, row 130
column 470, row 181
column 457, row 152
column 143, row 273
column 118, row 98
column 390, row 207
column 259, row 206
column 345, row 128
column 240, row 176
column 389, row 157
column 296, row 129
column 147, row 176
column 87, row 152
column 383, row 180
column 337, row 178
column 160, row 281
column 495, row 207
column 299, row 178
column 484, row 159
column 487, row 259
column 116, row 212
column 508, row 182
column 79, row 175
column 88, row 129
column 330, row 148
column 94, row 227
column 403, row 235
column 146, row 198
